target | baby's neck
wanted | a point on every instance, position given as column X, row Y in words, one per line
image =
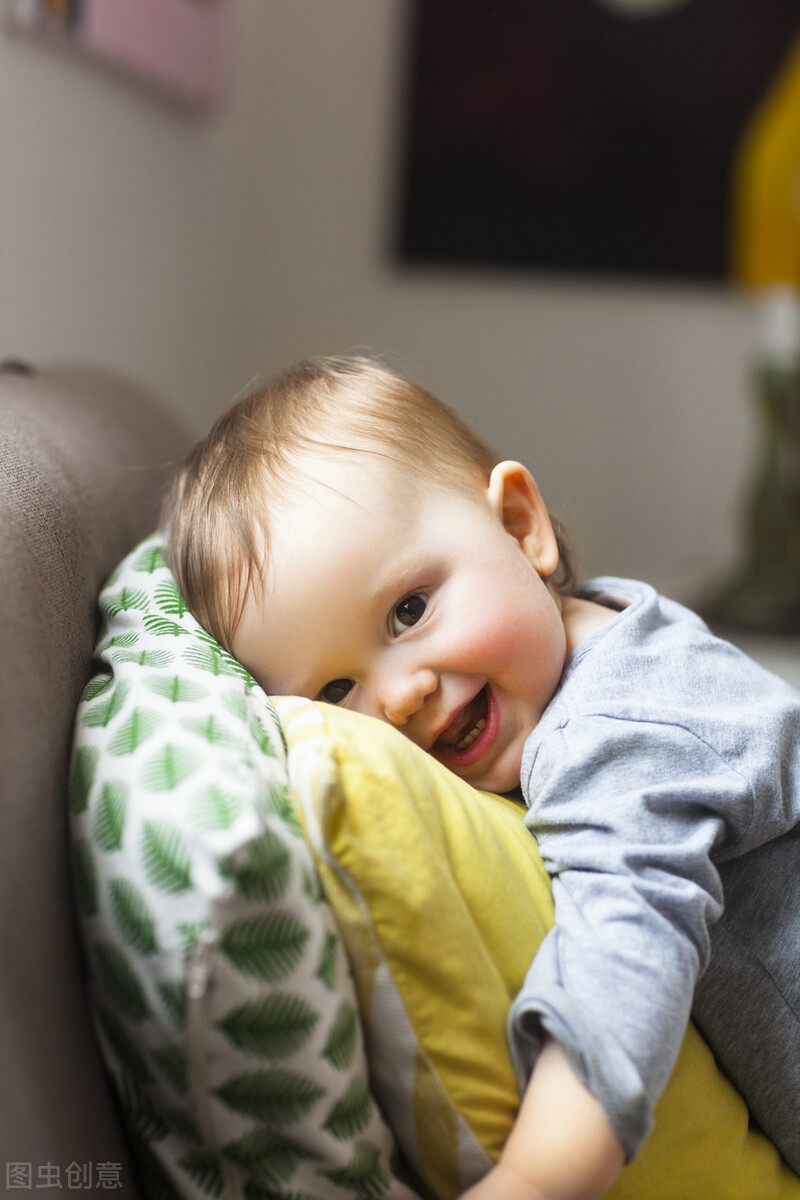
column 582, row 617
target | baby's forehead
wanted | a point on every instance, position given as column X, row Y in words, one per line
column 387, row 465
column 361, row 475
column 360, row 493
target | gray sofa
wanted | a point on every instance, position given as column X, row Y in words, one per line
column 83, row 457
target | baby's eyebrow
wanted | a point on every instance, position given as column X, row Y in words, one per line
column 406, row 571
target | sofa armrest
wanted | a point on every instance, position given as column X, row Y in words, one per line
column 83, row 456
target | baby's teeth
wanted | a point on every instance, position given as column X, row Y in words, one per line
column 471, row 736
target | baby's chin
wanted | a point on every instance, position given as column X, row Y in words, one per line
column 500, row 778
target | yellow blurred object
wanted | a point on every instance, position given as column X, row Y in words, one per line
column 766, row 204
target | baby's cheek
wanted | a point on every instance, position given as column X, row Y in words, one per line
column 491, row 646
column 529, row 654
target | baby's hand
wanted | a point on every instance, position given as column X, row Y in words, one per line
column 502, row 1183
column 562, row 1146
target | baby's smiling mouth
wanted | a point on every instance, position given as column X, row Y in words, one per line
column 467, row 725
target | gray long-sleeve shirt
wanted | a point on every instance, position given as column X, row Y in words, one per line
column 664, row 755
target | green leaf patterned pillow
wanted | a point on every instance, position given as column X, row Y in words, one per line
column 222, row 996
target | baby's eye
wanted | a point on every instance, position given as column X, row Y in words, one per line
column 335, row 691
column 408, row 612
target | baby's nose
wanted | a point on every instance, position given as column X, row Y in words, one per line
column 405, row 695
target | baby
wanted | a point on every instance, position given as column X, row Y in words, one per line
column 348, row 539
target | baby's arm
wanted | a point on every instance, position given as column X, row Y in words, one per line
column 562, row 1145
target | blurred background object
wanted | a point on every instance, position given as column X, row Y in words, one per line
column 178, row 45
column 764, row 592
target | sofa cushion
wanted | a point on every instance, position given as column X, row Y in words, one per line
column 442, row 900
column 222, row 993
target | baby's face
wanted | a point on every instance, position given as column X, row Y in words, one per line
column 421, row 606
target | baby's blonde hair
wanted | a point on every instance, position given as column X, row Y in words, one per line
column 216, row 513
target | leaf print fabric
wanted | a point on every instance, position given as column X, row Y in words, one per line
column 222, row 997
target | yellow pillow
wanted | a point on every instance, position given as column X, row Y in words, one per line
column 442, row 899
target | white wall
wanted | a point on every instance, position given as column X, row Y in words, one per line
column 198, row 253
column 125, row 221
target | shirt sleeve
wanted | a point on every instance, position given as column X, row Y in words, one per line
column 627, row 816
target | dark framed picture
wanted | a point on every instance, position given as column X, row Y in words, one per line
column 590, row 136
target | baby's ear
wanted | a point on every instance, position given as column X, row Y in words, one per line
column 517, row 503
